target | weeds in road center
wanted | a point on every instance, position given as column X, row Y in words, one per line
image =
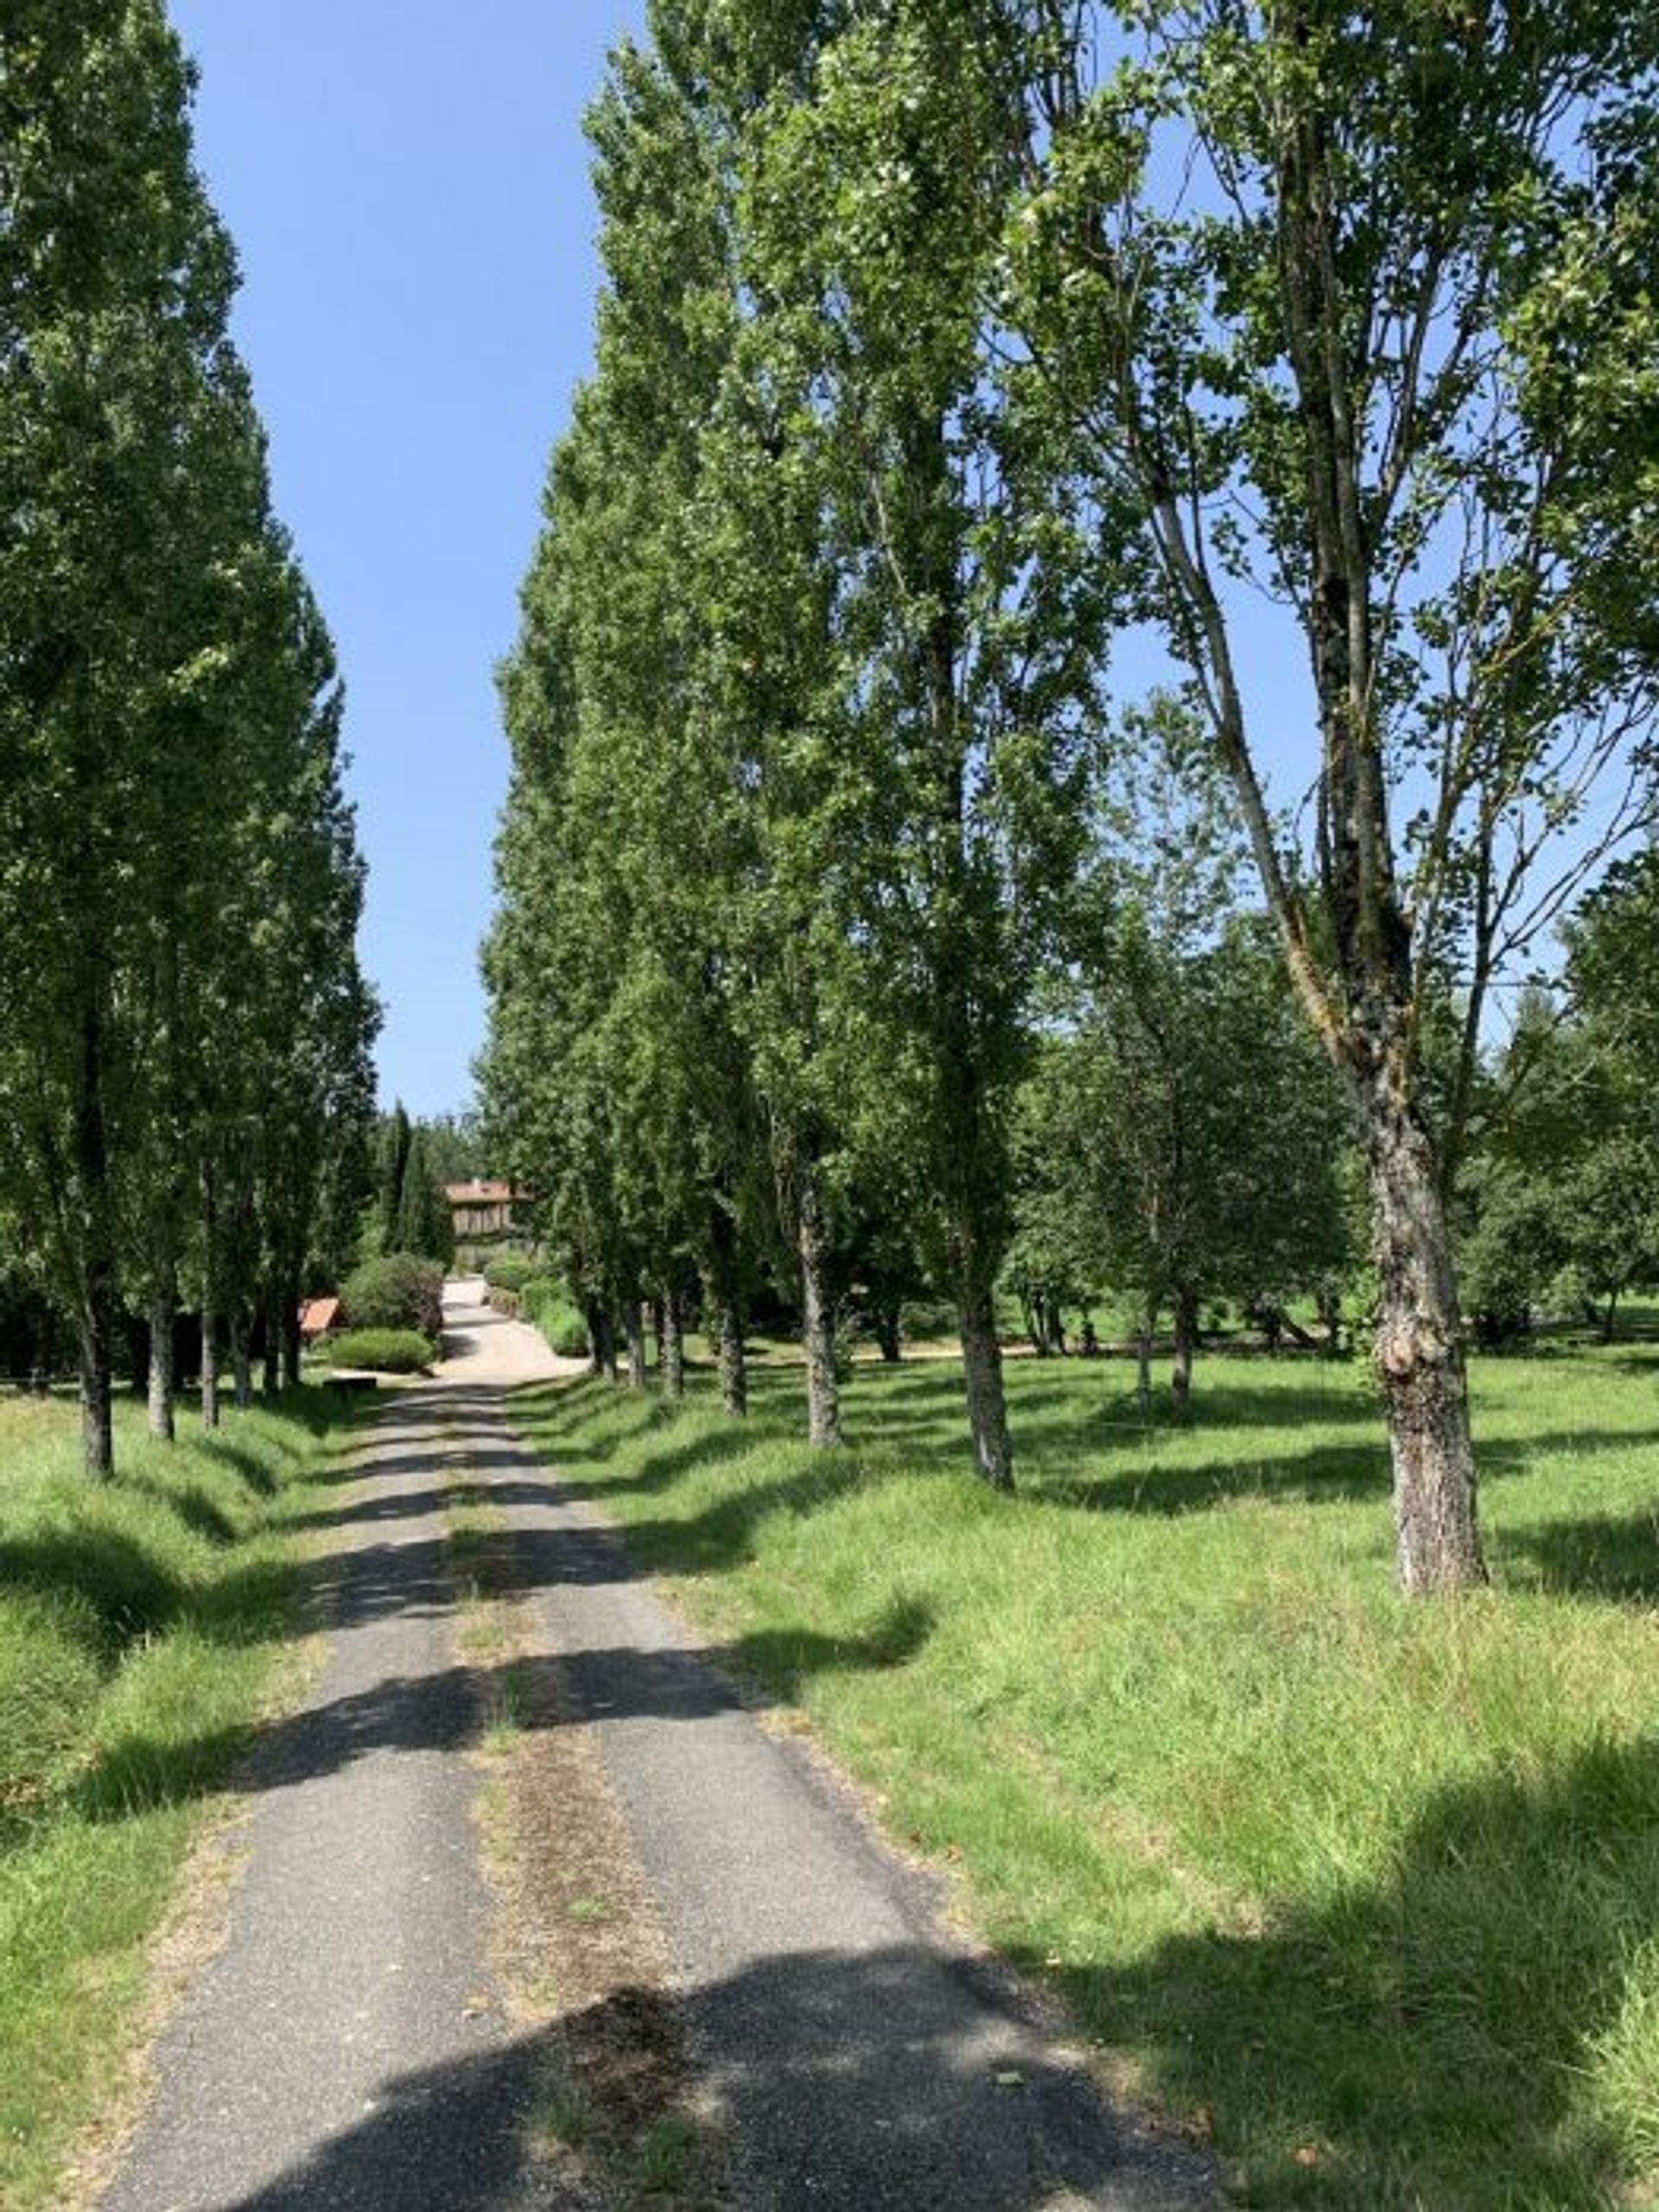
column 141, row 1623
column 1366, row 1892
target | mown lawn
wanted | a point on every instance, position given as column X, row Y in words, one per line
column 141, row 1629
column 1366, row 1892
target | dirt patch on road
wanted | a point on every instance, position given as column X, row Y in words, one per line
column 578, row 1944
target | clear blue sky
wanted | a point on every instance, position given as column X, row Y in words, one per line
column 406, row 182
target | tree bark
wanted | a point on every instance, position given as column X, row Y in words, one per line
column 161, row 1365
column 726, row 1297
column 818, row 1310
column 604, row 1329
column 96, row 1424
column 1186, row 1338
column 1143, row 1365
column 671, row 1353
column 733, row 1360
column 1418, row 1352
column 982, row 1368
column 887, row 1337
column 293, row 1343
column 241, row 1358
column 209, row 1366
column 209, row 1301
column 270, row 1380
column 97, row 1242
column 633, row 1332
column 597, row 1329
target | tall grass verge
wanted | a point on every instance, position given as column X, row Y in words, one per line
column 141, row 1627
column 1365, row 1891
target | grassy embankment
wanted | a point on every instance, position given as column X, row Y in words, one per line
column 142, row 1626
column 1365, row 1891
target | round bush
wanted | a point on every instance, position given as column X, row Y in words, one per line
column 399, row 1291
column 510, row 1271
column 389, row 1351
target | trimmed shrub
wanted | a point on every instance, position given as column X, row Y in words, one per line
column 399, row 1291
column 546, row 1305
column 510, row 1271
column 504, row 1302
column 391, row 1351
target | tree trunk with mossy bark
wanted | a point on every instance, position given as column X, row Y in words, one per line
column 670, row 1343
column 817, row 1309
column 1186, row 1338
column 633, row 1332
column 1418, row 1352
column 162, row 1364
column 982, row 1373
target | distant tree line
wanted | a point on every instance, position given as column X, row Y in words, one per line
column 185, row 1084
column 855, row 923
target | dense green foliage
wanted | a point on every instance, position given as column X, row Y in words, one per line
column 402, row 1291
column 510, row 1270
column 843, row 948
column 184, row 1030
column 410, row 1211
column 1360, row 1891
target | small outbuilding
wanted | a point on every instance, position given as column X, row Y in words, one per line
column 317, row 1317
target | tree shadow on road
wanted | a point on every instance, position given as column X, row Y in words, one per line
column 847, row 2080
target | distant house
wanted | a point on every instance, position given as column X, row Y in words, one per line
column 481, row 1209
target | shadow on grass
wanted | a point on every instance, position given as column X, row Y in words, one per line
column 1428, row 2040
column 1614, row 1556
column 128, row 1591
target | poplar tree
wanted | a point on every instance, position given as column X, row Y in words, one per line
column 1337, row 306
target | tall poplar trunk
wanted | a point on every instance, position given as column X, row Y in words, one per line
column 817, row 1311
column 601, row 1335
column 1418, row 1352
column 97, row 1252
column 981, row 1370
column 209, row 1302
column 162, row 1363
column 670, row 1344
column 593, row 1314
column 726, row 1297
column 1143, row 1362
column 241, row 1357
column 887, row 1338
column 209, row 1364
column 633, row 1332
column 1186, row 1338
column 289, row 1334
column 732, row 1360
column 97, row 1423
column 964, row 952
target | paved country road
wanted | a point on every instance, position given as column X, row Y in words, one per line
column 352, row 2044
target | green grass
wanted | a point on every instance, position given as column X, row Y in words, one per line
column 141, row 1624
column 1367, row 1891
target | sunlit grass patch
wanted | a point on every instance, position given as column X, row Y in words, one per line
column 141, row 1624
column 1366, row 1891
